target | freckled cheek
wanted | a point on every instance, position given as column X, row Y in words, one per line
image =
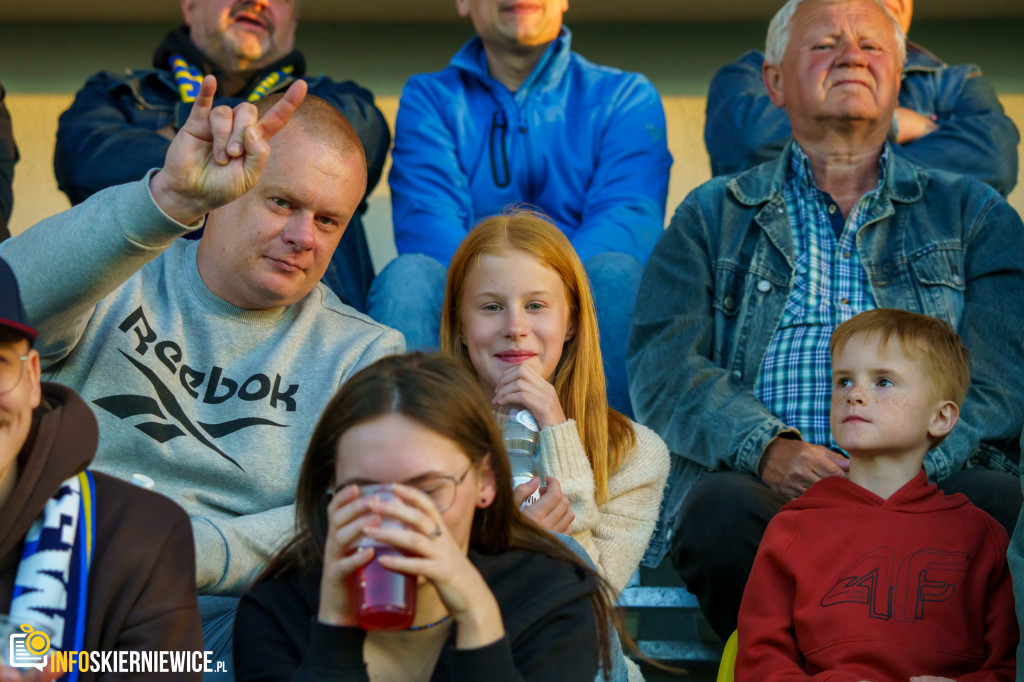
column 892, row 405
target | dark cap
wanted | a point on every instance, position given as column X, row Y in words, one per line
column 12, row 312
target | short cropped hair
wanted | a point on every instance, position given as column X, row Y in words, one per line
column 926, row 340
column 781, row 29
column 320, row 119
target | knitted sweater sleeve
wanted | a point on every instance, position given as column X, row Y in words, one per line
column 614, row 533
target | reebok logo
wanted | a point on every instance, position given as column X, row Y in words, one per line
column 218, row 389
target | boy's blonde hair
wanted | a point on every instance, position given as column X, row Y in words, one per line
column 579, row 377
column 927, row 340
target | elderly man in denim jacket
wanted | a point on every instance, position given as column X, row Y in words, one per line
column 948, row 117
column 121, row 124
column 728, row 354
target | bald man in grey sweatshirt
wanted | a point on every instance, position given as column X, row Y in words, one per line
column 208, row 362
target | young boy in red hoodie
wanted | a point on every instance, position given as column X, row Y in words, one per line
column 881, row 576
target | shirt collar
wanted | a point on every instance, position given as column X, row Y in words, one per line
column 800, row 167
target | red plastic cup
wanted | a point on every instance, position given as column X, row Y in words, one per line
column 384, row 599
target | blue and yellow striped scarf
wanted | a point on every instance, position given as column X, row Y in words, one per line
column 189, row 77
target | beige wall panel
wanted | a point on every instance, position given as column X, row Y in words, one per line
column 36, row 195
column 34, row 118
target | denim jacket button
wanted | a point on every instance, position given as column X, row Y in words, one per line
column 738, row 374
column 729, row 303
column 764, row 286
column 957, row 280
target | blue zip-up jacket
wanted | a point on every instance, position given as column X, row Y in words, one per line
column 975, row 137
column 586, row 144
column 717, row 283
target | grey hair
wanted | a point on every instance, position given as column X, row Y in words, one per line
column 781, row 29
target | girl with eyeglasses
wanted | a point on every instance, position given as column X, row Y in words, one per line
column 519, row 314
column 498, row 598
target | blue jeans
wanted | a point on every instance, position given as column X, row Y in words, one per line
column 218, row 637
column 615, row 281
column 408, row 294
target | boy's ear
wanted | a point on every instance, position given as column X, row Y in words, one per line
column 944, row 420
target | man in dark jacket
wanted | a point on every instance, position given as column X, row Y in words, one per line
column 120, row 125
column 101, row 564
column 8, row 157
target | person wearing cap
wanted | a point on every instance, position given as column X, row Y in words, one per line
column 208, row 362
column 121, row 122
column 105, row 565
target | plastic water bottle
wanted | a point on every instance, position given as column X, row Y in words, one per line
column 521, row 435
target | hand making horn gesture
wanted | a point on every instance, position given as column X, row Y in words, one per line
column 219, row 153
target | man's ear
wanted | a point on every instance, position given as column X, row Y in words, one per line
column 772, row 75
column 186, row 11
column 32, row 373
column 461, row 6
column 487, row 490
column 944, row 420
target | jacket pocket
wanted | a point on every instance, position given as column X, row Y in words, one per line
column 939, row 272
column 728, row 294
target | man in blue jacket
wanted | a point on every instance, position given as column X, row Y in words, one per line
column 948, row 117
column 728, row 355
column 120, row 125
column 517, row 117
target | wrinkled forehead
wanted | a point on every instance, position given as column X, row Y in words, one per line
column 864, row 18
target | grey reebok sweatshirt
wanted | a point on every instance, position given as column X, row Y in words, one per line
column 214, row 403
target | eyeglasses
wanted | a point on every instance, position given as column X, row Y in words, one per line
column 440, row 489
column 12, row 366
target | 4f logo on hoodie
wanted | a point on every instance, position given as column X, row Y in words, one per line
column 927, row 575
column 211, row 387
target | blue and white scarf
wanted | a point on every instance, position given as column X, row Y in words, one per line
column 53, row 575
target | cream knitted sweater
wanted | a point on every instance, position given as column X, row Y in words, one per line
column 615, row 533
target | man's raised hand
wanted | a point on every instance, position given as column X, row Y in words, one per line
column 218, row 155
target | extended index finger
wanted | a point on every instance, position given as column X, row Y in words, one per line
column 270, row 123
column 201, row 108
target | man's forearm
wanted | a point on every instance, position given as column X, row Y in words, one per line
column 69, row 262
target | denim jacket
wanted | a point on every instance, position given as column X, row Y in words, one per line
column 974, row 137
column 716, row 285
column 109, row 137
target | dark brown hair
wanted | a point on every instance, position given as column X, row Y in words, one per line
column 438, row 393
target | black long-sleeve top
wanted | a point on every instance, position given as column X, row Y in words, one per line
column 550, row 630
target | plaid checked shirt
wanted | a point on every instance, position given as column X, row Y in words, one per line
column 829, row 287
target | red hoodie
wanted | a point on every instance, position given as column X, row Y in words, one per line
column 848, row 586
